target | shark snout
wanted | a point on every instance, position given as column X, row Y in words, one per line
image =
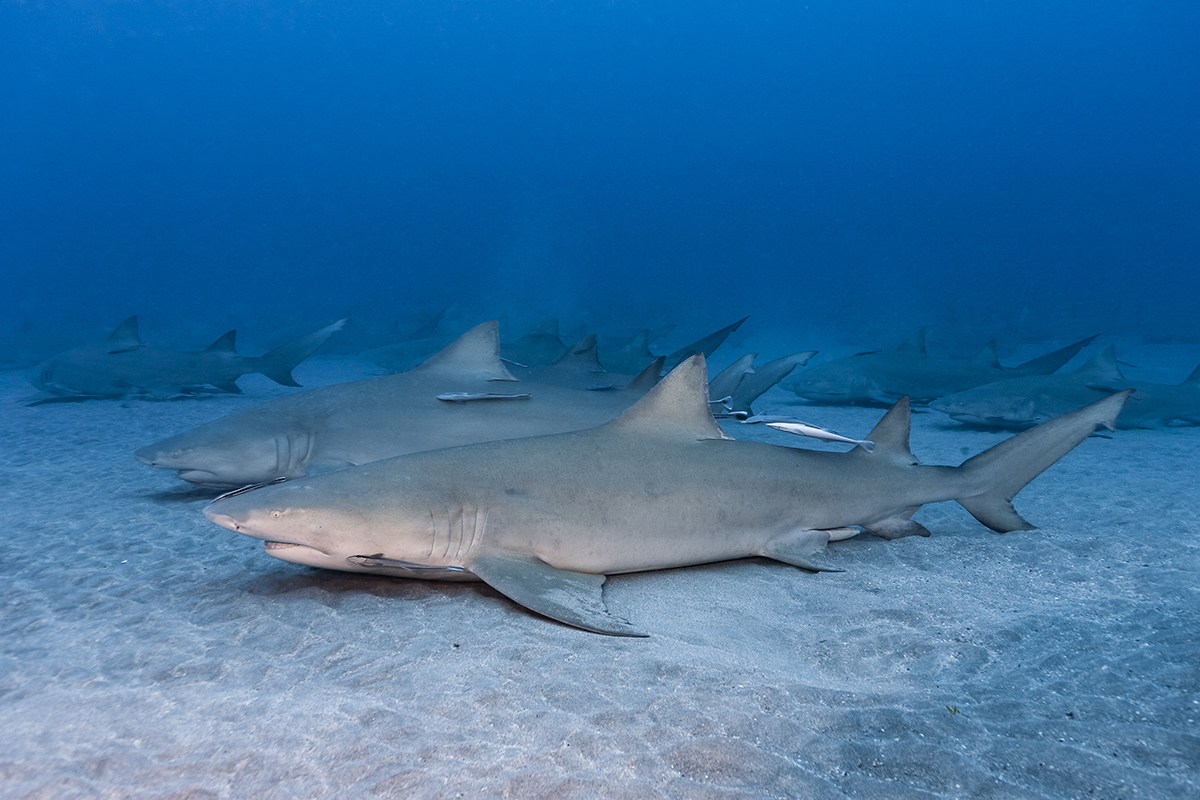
column 224, row 520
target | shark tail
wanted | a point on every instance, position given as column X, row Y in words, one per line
column 1006, row 468
column 279, row 363
column 1052, row 362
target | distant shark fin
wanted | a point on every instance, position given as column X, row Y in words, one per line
column 573, row 598
column 225, row 344
column 581, row 356
column 429, row 328
column 1194, row 377
column 987, row 355
column 676, row 407
column 125, row 337
column 1044, row 365
column 726, row 381
column 639, row 345
column 279, row 363
column 756, row 383
column 890, row 435
column 705, row 346
column 915, row 343
column 645, row 380
column 475, row 354
column 1102, row 367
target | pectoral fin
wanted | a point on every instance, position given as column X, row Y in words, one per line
column 798, row 547
column 573, row 598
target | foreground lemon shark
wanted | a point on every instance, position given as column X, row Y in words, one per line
column 543, row 520
column 124, row 365
column 460, row 395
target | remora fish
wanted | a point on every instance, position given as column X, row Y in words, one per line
column 543, row 520
column 882, row 377
column 332, row 427
column 1021, row 402
column 124, row 365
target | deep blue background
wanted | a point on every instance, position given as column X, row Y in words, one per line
column 813, row 163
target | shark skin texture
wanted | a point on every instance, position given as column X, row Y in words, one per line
column 123, row 365
column 1018, row 403
column 460, row 395
column 544, row 520
column 880, row 378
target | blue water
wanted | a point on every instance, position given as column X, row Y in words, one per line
column 800, row 161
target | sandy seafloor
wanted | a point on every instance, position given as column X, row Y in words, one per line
column 147, row 653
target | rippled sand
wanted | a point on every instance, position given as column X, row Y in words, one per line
column 148, row 653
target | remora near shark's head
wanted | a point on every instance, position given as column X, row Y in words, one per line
column 544, row 519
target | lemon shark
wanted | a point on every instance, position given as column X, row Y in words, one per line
column 881, row 377
column 543, row 520
column 124, row 365
column 460, row 395
column 1021, row 402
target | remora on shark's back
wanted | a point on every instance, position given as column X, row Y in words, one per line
column 1021, row 402
column 882, row 377
column 337, row 426
column 124, row 365
column 543, row 520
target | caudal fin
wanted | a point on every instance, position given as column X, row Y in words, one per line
column 1006, row 468
column 279, row 363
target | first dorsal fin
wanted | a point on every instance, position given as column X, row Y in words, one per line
column 890, row 435
column 475, row 354
column 224, row 344
column 125, row 337
column 1194, row 377
column 677, row 407
column 915, row 343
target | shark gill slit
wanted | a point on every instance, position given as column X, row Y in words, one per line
column 468, row 538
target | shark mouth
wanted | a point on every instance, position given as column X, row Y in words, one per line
column 269, row 546
column 297, row 554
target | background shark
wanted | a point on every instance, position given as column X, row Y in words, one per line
column 124, row 365
column 880, row 378
column 1021, row 402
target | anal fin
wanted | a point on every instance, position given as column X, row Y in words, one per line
column 573, row 598
column 898, row 526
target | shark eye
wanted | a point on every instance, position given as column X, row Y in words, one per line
column 276, row 514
